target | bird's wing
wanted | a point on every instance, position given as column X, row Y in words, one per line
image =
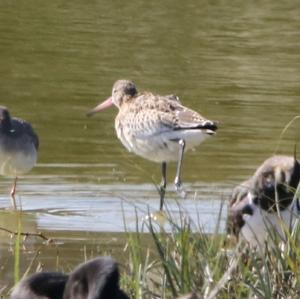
column 189, row 119
column 159, row 114
column 146, row 98
column 21, row 126
column 181, row 118
column 171, row 97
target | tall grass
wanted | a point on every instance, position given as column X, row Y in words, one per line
column 184, row 259
column 17, row 250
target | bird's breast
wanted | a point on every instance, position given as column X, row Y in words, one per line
column 154, row 142
column 17, row 155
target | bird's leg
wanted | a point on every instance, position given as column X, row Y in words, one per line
column 177, row 180
column 13, row 193
column 163, row 184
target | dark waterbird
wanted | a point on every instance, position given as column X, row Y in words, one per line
column 155, row 127
column 18, row 147
column 95, row 279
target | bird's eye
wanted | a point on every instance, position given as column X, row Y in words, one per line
column 131, row 90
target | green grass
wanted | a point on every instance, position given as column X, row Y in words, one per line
column 187, row 260
column 17, row 251
column 184, row 259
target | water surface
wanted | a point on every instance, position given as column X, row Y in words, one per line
column 237, row 62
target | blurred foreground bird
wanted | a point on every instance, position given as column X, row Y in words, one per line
column 95, row 279
column 157, row 128
column 18, row 148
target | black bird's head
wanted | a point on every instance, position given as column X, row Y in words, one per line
column 5, row 120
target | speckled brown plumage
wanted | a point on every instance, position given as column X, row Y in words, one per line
column 155, row 127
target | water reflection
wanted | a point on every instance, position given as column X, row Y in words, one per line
column 85, row 219
column 109, row 208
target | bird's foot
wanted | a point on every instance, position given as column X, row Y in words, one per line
column 179, row 189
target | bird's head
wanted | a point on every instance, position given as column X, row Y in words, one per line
column 122, row 91
column 5, row 121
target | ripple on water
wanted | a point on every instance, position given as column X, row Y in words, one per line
column 111, row 208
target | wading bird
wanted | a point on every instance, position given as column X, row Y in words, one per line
column 157, row 128
column 267, row 201
column 18, row 148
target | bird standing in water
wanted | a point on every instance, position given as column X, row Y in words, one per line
column 18, row 148
column 157, row 128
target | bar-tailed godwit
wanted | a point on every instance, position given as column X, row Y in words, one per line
column 18, row 147
column 266, row 201
column 157, row 128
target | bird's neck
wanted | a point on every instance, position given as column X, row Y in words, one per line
column 126, row 100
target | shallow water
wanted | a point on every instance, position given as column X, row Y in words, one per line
column 108, row 208
column 237, row 62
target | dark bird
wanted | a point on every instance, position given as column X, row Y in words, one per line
column 95, row 279
column 18, row 147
